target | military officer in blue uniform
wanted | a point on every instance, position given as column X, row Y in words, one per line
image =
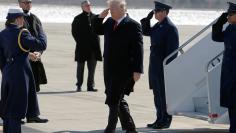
column 228, row 70
column 164, row 40
column 17, row 76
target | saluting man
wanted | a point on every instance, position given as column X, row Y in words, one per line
column 164, row 40
column 228, row 71
column 123, row 62
column 17, row 76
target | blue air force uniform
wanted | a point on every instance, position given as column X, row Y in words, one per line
column 164, row 40
column 228, row 70
column 17, row 77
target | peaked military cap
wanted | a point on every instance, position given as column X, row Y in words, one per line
column 14, row 13
column 232, row 8
column 160, row 6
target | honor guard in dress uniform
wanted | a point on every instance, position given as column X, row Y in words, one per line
column 164, row 40
column 17, row 76
column 228, row 70
column 33, row 24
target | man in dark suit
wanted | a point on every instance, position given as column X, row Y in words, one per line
column 17, row 76
column 87, row 46
column 228, row 71
column 123, row 62
column 164, row 40
column 33, row 24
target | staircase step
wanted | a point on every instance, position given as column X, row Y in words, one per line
column 195, row 115
column 201, row 105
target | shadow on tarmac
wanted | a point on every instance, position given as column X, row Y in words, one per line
column 147, row 130
column 194, row 130
column 54, row 92
column 60, row 92
column 25, row 129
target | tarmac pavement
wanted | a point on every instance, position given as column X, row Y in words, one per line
column 69, row 111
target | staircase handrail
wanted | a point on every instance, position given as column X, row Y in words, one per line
column 212, row 60
column 187, row 42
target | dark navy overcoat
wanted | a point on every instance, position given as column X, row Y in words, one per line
column 164, row 40
column 123, row 55
column 17, row 75
column 228, row 70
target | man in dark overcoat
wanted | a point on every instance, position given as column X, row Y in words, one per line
column 87, row 46
column 164, row 40
column 228, row 70
column 33, row 24
column 17, row 76
column 123, row 62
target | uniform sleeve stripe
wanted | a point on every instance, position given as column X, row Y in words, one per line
column 19, row 42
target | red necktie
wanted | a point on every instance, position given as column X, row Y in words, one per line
column 115, row 26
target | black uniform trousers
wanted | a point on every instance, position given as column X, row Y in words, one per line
column 33, row 107
column 122, row 112
column 160, row 104
column 91, row 64
column 232, row 119
column 11, row 125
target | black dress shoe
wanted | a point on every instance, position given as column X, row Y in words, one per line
column 132, row 131
column 78, row 89
column 163, row 125
column 92, row 89
column 160, row 126
column 109, row 131
column 152, row 124
column 36, row 120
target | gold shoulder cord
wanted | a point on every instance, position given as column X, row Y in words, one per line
column 19, row 43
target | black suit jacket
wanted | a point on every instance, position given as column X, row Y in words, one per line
column 123, row 55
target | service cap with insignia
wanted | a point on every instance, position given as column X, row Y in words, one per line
column 161, row 6
column 232, row 8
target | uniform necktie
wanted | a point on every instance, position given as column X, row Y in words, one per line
column 115, row 26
